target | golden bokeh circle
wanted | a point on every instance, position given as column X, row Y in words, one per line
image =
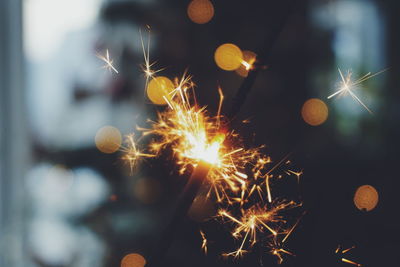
column 108, row 139
column 249, row 58
column 158, row 88
column 200, row 11
column 133, row 260
column 366, row 198
column 228, row 57
column 314, row 111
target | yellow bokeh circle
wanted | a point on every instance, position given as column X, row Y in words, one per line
column 158, row 88
column 108, row 139
column 249, row 58
column 133, row 260
column 200, row 11
column 366, row 198
column 314, row 111
column 228, row 57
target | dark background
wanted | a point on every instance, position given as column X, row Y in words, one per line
column 350, row 149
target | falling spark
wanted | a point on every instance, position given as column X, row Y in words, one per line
column 347, row 85
column 204, row 242
column 276, row 249
column 344, row 251
column 147, row 66
column 297, row 174
column 108, row 61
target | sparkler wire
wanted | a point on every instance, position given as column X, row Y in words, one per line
column 274, row 30
column 183, row 205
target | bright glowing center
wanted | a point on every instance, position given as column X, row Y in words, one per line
column 208, row 152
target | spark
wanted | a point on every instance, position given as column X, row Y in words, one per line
column 204, row 242
column 254, row 222
column 249, row 64
column 132, row 154
column 297, row 174
column 347, row 85
column 344, row 251
column 276, row 249
column 147, row 66
column 108, row 61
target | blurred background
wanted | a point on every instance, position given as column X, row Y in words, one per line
column 67, row 198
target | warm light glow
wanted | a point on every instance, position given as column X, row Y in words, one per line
column 228, row 57
column 200, row 11
column 133, row 260
column 108, row 139
column 314, row 112
column 249, row 58
column 159, row 90
column 366, row 198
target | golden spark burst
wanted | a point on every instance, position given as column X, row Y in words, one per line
column 348, row 85
column 341, row 251
column 238, row 175
column 256, row 221
column 108, row 61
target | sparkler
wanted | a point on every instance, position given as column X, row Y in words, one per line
column 236, row 175
column 347, row 85
column 341, row 251
column 108, row 61
column 184, row 202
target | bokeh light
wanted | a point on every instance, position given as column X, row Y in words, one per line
column 108, row 139
column 200, row 11
column 228, row 57
column 133, row 260
column 249, row 58
column 147, row 190
column 60, row 178
column 366, row 198
column 314, row 111
column 158, row 88
column 202, row 209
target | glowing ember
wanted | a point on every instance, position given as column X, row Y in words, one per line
column 108, row 61
column 341, row 251
column 204, row 242
column 347, row 85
